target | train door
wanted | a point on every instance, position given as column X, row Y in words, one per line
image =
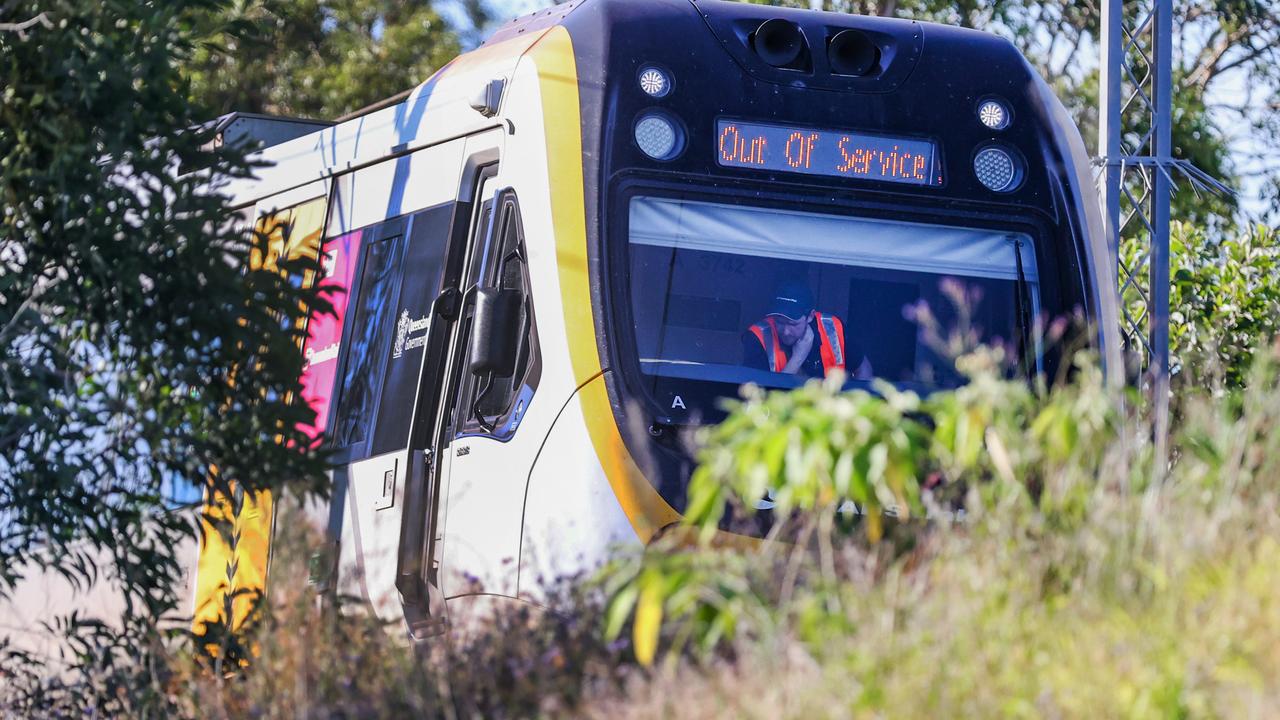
column 393, row 223
column 399, row 345
column 397, row 326
column 422, row 528
column 486, row 438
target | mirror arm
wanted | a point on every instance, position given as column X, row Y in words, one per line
column 448, row 303
column 475, row 405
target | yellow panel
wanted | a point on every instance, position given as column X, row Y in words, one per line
column 558, row 81
column 644, row 507
column 231, row 571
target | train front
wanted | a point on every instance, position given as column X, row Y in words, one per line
column 771, row 195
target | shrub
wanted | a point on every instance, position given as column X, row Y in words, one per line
column 1072, row 586
column 1224, row 300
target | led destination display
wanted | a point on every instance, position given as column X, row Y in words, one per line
column 832, row 153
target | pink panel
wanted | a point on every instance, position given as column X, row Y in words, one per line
column 324, row 332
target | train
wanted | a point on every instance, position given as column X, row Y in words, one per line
column 558, row 255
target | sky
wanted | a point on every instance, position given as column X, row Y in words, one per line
column 500, row 10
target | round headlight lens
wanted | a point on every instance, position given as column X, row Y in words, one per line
column 996, row 169
column 654, row 82
column 993, row 114
column 658, row 137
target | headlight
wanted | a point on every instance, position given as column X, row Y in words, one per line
column 997, row 169
column 659, row 136
column 993, row 114
column 654, row 82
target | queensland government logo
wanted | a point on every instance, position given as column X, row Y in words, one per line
column 402, row 333
column 406, row 330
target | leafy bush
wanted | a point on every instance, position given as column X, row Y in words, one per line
column 140, row 360
column 1225, row 299
column 1072, row 586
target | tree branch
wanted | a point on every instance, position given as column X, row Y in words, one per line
column 1212, row 66
column 22, row 27
column 1213, row 46
column 26, row 305
column 1253, row 54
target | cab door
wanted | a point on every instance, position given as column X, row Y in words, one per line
column 491, row 425
column 415, row 402
column 398, row 328
column 424, row 516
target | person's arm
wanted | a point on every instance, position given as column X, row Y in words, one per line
column 800, row 353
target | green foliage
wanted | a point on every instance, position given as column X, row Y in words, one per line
column 1072, row 587
column 138, row 355
column 314, row 58
column 813, row 448
column 992, row 443
column 1226, row 297
column 709, row 596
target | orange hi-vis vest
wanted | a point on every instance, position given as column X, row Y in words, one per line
column 830, row 334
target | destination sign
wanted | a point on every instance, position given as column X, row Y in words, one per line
column 833, row 153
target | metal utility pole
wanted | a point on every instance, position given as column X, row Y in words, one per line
column 1137, row 182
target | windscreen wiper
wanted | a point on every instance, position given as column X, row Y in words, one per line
column 1022, row 297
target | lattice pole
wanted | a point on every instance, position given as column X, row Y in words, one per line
column 1134, row 142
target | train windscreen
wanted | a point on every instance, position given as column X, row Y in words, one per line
column 735, row 294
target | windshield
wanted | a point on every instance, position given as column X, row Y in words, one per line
column 736, row 294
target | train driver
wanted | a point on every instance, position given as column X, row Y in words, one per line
column 795, row 338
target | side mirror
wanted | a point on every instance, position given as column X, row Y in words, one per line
column 494, row 332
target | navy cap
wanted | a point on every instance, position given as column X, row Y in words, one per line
column 793, row 301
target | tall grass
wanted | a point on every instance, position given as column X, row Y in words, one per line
column 1076, row 583
column 1011, row 551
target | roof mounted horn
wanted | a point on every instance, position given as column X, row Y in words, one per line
column 802, row 48
column 851, row 52
column 781, row 43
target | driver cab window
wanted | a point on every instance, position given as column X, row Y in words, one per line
column 735, row 293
